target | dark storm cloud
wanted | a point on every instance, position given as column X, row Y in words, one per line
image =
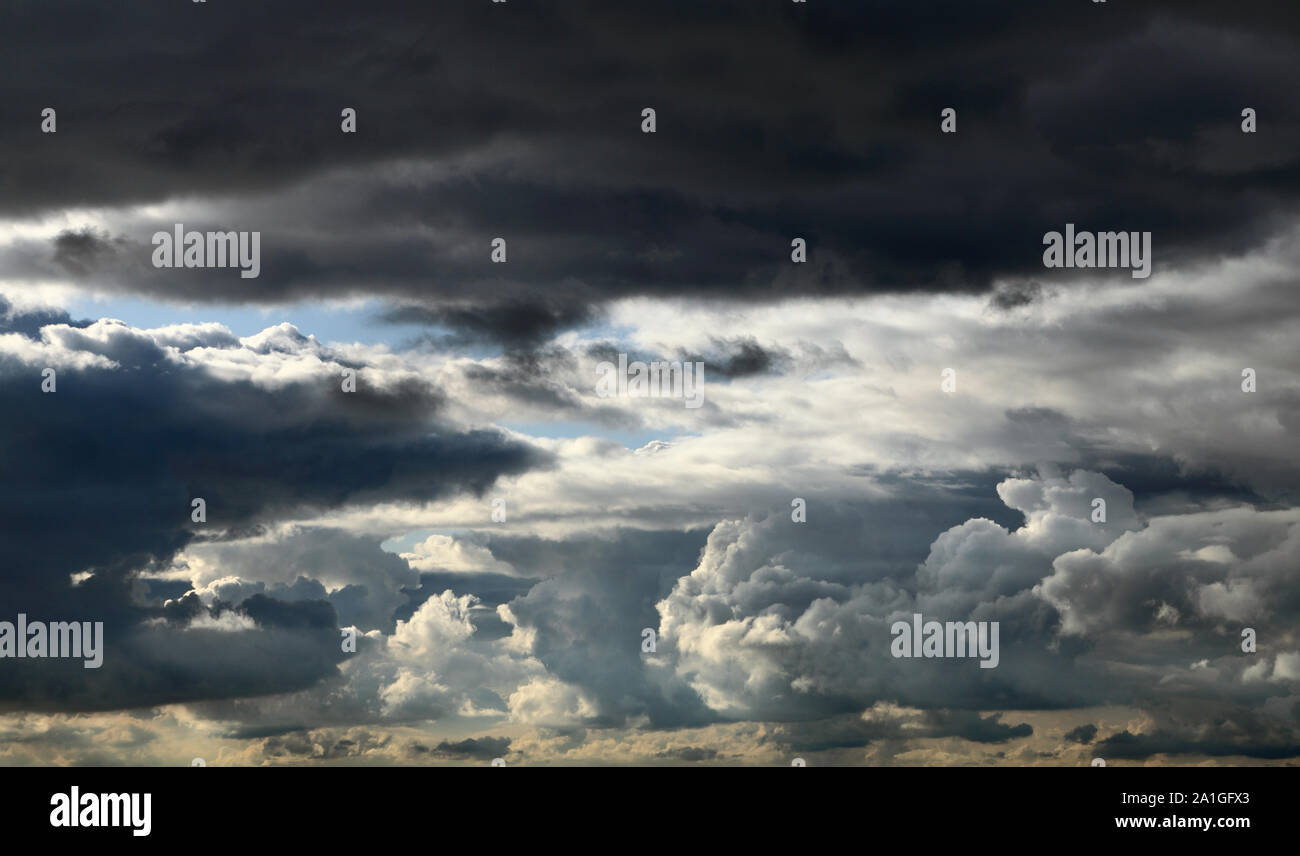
column 689, row 753
column 82, row 252
column 473, row 748
column 98, row 478
column 729, row 358
column 741, row 357
column 783, row 120
column 323, row 745
column 526, row 384
column 845, row 732
column 30, row 322
column 1082, row 734
column 737, row 357
column 1037, row 416
column 1013, row 295
column 540, row 376
column 1240, row 732
column 1162, row 483
column 519, row 324
column 260, row 732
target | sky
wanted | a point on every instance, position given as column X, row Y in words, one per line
column 430, row 534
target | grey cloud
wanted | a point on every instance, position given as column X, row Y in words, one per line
column 165, row 432
column 544, row 147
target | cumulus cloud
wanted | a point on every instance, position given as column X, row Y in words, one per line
column 760, row 633
column 371, row 511
column 171, row 425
